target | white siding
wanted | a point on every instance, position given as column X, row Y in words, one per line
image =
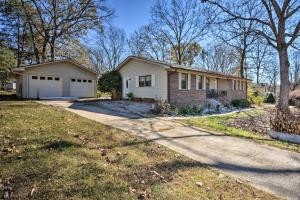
column 64, row 70
column 134, row 68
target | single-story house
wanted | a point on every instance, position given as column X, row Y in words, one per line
column 61, row 78
column 179, row 85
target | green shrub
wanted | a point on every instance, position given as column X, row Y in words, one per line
column 218, row 108
column 130, row 95
column 189, row 110
column 240, row 103
column 270, row 98
column 110, row 81
column 257, row 100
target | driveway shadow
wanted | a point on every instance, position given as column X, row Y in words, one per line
column 114, row 110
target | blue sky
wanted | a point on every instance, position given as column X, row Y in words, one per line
column 131, row 14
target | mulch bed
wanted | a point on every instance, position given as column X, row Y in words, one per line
column 256, row 124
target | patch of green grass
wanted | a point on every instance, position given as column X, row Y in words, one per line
column 216, row 123
column 49, row 153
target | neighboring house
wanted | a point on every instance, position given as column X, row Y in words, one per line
column 62, row 78
column 263, row 89
column 179, row 85
column 295, row 93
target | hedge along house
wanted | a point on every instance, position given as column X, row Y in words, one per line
column 179, row 85
column 56, row 79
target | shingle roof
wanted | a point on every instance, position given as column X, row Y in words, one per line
column 57, row 61
column 176, row 66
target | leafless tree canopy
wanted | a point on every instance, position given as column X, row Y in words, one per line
column 278, row 22
column 109, row 50
column 42, row 25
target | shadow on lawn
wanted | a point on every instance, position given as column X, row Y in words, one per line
column 59, row 145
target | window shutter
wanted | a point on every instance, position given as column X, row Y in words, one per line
column 137, row 81
column 179, row 81
column 204, row 83
column 197, row 82
column 153, row 80
column 189, row 81
column 232, row 84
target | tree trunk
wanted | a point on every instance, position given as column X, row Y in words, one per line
column 283, row 103
column 242, row 63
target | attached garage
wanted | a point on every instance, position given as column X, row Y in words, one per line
column 64, row 78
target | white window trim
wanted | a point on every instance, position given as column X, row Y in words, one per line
column 197, row 81
column 188, row 81
column 137, row 81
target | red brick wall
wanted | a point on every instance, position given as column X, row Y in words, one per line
column 232, row 94
column 195, row 97
column 190, row 97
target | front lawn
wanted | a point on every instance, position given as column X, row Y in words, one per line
column 49, row 153
column 251, row 124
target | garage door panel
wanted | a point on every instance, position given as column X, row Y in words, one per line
column 82, row 87
column 42, row 86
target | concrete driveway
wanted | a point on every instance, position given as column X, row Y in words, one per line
column 268, row 168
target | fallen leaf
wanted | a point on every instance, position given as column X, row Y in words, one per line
column 200, row 184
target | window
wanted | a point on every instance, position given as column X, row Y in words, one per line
column 49, row 78
column 199, row 82
column 89, row 81
column 78, row 80
column 184, row 81
column 34, row 77
column 84, row 80
column 145, row 81
column 42, row 78
column 242, row 82
column 207, row 84
column 73, row 80
column 56, row 78
column 234, row 84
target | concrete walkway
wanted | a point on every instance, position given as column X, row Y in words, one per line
column 267, row 168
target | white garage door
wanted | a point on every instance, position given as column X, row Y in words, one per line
column 44, row 86
column 81, row 87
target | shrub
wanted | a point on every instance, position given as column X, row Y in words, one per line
column 270, row 98
column 218, row 108
column 130, row 95
column 257, row 100
column 110, row 81
column 240, row 103
column 189, row 110
column 162, row 107
column 285, row 121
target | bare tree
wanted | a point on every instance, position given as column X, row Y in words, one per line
column 221, row 58
column 259, row 58
column 237, row 34
column 278, row 23
column 50, row 22
column 110, row 48
column 181, row 23
column 149, row 42
column 295, row 71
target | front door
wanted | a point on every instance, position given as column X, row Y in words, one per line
column 125, row 86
